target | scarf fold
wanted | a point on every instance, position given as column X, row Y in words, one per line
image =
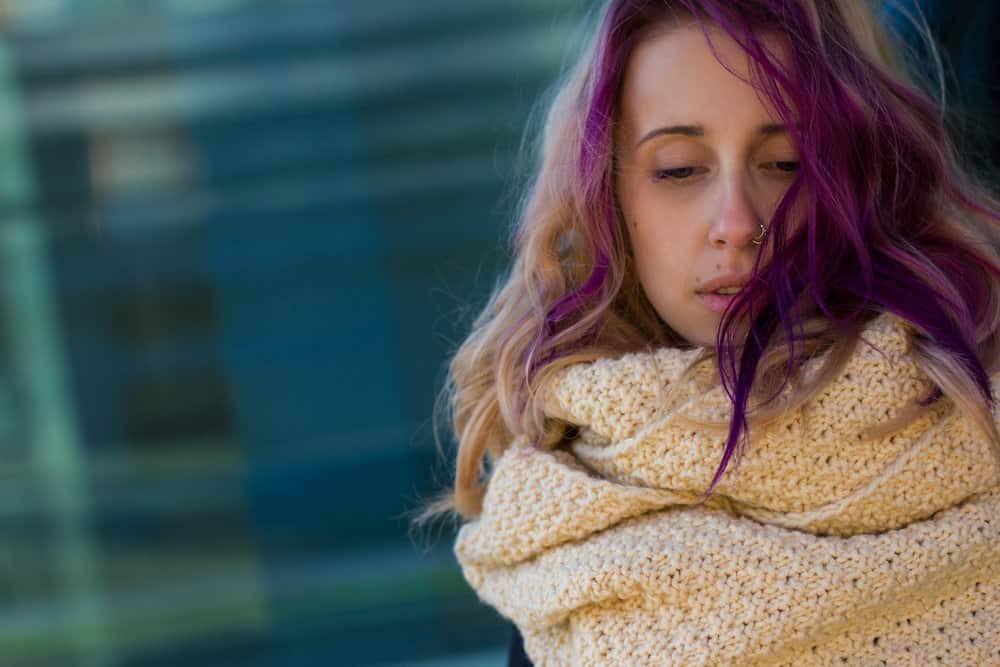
column 824, row 545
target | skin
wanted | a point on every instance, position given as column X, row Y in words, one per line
column 692, row 204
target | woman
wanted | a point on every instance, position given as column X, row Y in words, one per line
column 748, row 221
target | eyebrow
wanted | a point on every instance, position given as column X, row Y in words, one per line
column 698, row 130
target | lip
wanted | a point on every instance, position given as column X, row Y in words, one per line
column 731, row 279
column 717, row 302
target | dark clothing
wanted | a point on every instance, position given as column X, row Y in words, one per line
column 517, row 657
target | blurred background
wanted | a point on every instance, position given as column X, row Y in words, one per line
column 238, row 240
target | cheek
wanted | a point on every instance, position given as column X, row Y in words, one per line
column 663, row 227
column 765, row 193
column 662, row 254
column 650, row 239
column 794, row 216
column 649, row 210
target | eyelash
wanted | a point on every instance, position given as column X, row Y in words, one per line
column 669, row 174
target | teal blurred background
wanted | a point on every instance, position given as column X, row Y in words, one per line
column 238, row 241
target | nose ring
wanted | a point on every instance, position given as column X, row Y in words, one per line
column 760, row 238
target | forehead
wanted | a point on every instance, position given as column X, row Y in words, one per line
column 673, row 76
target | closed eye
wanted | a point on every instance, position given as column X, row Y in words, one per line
column 789, row 166
column 676, row 174
column 683, row 173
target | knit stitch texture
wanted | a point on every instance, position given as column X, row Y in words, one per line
column 824, row 546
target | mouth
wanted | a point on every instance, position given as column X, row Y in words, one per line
column 716, row 302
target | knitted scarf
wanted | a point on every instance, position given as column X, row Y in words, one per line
column 823, row 546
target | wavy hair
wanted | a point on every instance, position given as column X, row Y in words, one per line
column 905, row 227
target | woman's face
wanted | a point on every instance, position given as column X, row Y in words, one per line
column 700, row 164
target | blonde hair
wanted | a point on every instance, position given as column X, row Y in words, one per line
column 571, row 294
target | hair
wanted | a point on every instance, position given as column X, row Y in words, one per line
column 905, row 228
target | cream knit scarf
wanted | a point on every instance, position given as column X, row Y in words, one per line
column 822, row 547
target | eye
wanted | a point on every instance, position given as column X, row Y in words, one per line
column 787, row 166
column 676, row 174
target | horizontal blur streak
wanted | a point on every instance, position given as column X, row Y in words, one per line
column 238, row 236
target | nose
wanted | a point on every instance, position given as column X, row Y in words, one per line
column 736, row 220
